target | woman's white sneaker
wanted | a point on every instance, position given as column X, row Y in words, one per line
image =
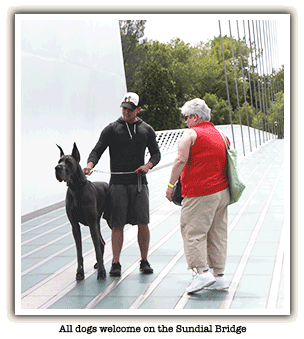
column 221, row 283
column 200, row 281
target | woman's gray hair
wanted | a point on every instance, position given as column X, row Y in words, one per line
column 199, row 107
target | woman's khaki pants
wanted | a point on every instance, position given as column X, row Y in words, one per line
column 204, row 230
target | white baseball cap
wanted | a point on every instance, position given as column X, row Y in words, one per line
column 130, row 100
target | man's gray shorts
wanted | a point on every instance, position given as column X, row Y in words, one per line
column 127, row 205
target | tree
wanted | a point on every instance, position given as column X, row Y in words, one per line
column 278, row 79
column 157, row 93
column 219, row 109
column 183, row 67
column 131, row 31
column 276, row 119
column 167, row 75
column 233, row 65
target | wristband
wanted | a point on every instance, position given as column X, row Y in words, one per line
column 170, row 185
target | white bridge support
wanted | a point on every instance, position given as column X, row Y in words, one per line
column 70, row 82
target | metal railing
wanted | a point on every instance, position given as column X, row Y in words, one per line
column 168, row 140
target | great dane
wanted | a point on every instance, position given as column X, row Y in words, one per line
column 85, row 203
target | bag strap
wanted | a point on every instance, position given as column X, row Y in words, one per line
column 225, row 141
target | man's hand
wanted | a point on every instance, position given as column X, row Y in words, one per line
column 144, row 169
column 88, row 170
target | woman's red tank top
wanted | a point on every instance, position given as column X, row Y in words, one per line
column 205, row 171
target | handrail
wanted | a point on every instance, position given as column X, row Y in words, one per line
column 168, row 140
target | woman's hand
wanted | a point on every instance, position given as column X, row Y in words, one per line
column 169, row 193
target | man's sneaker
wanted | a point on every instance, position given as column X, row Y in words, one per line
column 115, row 269
column 221, row 283
column 145, row 267
column 200, row 281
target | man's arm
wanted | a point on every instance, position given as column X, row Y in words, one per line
column 154, row 152
column 98, row 150
column 153, row 148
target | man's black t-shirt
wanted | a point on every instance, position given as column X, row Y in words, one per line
column 127, row 147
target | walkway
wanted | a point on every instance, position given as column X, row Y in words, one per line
column 255, row 265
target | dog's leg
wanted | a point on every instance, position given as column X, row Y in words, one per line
column 102, row 245
column 77, row 238
column 99, row 250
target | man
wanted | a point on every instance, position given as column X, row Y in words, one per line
column 202, row 164
column 127, row 139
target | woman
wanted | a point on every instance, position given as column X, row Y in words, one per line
column 201, row 162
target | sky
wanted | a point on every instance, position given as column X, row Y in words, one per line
column 193, row 28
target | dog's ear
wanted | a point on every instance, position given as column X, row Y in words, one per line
column 75, row 153
column 61, row 151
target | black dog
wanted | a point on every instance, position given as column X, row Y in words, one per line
column 85, row 202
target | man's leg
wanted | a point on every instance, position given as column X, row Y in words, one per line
column 118, row 218
column 117, row 242
column 143, row 238
column 143, row 242
column 139, row 215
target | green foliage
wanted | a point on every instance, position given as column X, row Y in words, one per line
column 246, row 114
column 157, row 92
column 277, row 117
column 133, row 52
column 219, row 109
column 278, row 79
column 167, row 75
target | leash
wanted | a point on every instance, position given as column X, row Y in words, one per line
column 139, row 181
column 133, row 172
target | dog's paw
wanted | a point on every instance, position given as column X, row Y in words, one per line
column 80, row 275
column 96, row 266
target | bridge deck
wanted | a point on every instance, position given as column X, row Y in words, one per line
column 255, row 264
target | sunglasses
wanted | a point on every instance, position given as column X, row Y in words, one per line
column 187, row 117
